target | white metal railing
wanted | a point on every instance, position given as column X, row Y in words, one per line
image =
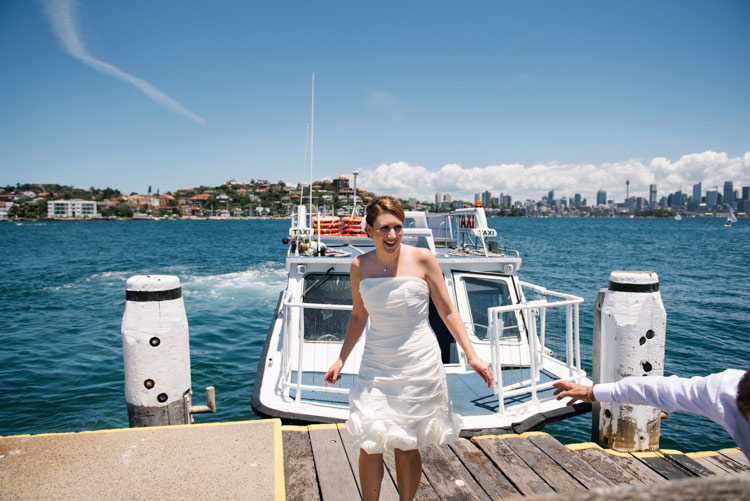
column 299, row 308
column 534, row 316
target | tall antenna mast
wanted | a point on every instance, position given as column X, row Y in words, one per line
column 304, row 166
column 312, row 137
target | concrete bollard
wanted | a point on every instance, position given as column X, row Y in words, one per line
column 156, row 352
column 629, row 340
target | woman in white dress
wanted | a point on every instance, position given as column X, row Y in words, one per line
column 400, row 401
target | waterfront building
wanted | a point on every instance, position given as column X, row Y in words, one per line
column 506, row 201
column 601, row 197
column 67, row 209
column 486, row 199
column 729, row 192
column 712, row 198
column 697, row 193
column 341, row 183
column 4, row 208
column 746, row 193
column 577, row 200
column 652, row 196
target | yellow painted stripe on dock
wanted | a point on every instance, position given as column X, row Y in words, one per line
column 582, row 446
column 293, row 427
column 126, row 430
column 341, row 426
column 279, row 487
column 671, row 451
column 324, row 426
column 702, row 454
column 501, row 437
column 528, row 434
column 646, row 454
column 729, row 450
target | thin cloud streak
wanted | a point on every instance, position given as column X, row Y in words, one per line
column 62, row 16
column 523, row 182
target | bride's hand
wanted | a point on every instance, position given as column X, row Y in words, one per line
column 334, row 372
column 483, row 369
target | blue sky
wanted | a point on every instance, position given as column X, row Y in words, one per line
column 514, row 97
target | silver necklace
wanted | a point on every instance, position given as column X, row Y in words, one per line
column 385, row 266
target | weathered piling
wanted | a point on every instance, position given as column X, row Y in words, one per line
column 156, row 351
column 629, row 339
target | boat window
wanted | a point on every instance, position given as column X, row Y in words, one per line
column 486, row 293
column 326, row 288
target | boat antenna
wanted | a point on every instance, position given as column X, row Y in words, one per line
column 312, row 137
column 304, row 166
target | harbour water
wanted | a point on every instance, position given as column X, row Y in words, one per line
column 63, row 295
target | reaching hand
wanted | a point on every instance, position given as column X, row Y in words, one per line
column 483, row 369
column 573, row 390
column 334, row 372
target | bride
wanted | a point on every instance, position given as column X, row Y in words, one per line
column 400, row 401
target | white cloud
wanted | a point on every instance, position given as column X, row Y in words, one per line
column 62, row 16
column 532, row 182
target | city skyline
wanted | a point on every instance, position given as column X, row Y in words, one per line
column 419, row 98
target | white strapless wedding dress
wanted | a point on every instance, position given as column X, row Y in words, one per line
column 400, row 399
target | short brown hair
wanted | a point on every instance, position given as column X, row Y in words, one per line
column 383, row 204
column 743, row 394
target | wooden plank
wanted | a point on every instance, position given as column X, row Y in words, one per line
column 727, row 463
column 425, row 492
column 545, row 467
column 687, row 463
column 570, row 462
column 711, row 465
column 448, row 476
column 525, row 480
column 635, row 467
column 335, row 477
column 736, row 455
column 492, row 480
column 661, row 465
column 388, row 491
column 605, row 464
column 299, row 467
column 688, row 489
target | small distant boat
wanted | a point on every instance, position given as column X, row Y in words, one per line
column 731, row 219
column 677, row 217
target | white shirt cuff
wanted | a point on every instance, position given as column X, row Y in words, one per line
column 603, row 392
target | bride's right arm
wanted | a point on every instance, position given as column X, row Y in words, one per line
column 354, row 328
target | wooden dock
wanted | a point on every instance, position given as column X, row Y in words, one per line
column 320, row 463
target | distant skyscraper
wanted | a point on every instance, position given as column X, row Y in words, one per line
column 652, row 196
column 728, row 192
column 486, row 199
column 675, row 201
column 697, row 193
column 712, row 198
column 577, row 198
column 601, row 197
column 438, row 199
column 447, row 197
column 746, row 193
column 550, row 196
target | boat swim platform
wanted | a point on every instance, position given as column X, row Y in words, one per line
column 263, row 460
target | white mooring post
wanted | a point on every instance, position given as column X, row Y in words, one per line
column 156, row 352
column 629, row 338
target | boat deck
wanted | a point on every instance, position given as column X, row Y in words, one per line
column 321, row 463
column 468, row 393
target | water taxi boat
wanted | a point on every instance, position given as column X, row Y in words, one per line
column 529, row 334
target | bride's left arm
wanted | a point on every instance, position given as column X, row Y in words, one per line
column 448, row 312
